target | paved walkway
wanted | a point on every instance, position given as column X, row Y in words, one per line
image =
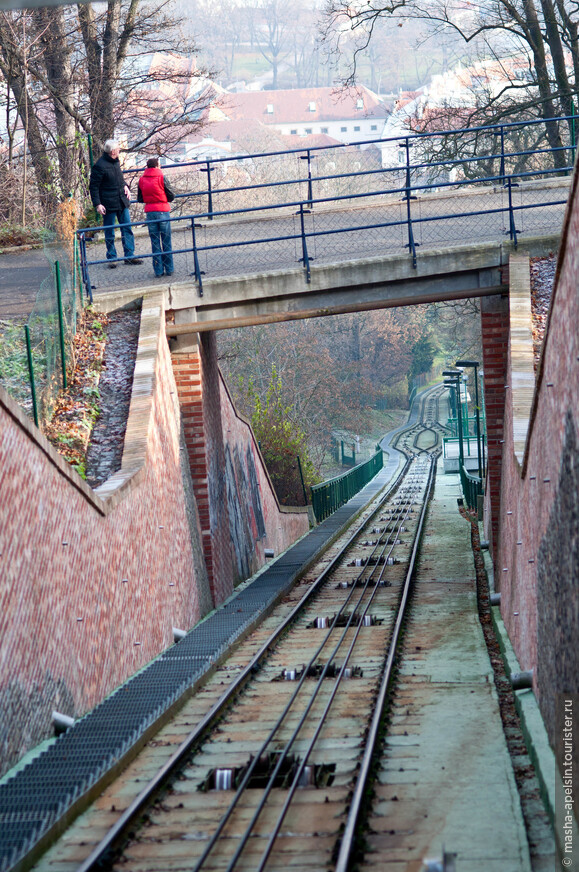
column 273, row 242
column 446, row 778
column 20, row 276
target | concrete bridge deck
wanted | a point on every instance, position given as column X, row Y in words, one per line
column 358, row 258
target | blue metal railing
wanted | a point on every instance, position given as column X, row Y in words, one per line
column 300, row 226
column 330, row 495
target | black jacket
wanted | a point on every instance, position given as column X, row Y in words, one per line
column 107, row 184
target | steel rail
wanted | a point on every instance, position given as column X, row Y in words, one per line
column 347, row 843
column 322, row 719
column 401, row 519
column 306, row 755
column 95, row 859
column 282, row 757
column 98, row 854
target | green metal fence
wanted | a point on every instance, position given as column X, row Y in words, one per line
column 472, row 488
column 330, row 495
column 33, row 355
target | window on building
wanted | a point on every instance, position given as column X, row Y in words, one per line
column 359, row 103
column 343, row 129
column 356, row 130
column 294, row 132
column 324, row 129
column 308, row 130
column 373, row 127
column 270, row 108
column 312, row 106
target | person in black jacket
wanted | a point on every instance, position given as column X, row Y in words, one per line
column 111, row 197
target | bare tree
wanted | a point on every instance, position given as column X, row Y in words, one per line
column 122, row 67
column 496, row 28
column 272, row 24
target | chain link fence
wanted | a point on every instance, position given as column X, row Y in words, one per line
column 35, row 354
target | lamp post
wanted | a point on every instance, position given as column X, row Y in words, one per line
column 480, row 451
column 454, row 381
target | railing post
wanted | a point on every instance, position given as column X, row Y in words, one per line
column 459, row 425
column 502, row 170
column 31, row 373
column 76, row 271
column 573, row 138
column 305, row 257
column 411, row 244
column 60, row 322
column 84, row 266
column 302, row 480
column 512, row 226
column 209, row 169
column 308, row 157
column 198, row 271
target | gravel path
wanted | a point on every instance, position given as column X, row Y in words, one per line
column 105, row 451
column 542, row 280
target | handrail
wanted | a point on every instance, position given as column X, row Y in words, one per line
column 427, row 134
column 472, row 488
column 328, row 496
column 413, row 178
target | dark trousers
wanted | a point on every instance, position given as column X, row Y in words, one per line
column 159, row 228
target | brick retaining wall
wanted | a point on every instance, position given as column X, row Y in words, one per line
column 239, row 512
column 495, row 332
column 92, row 582
column 537, row 551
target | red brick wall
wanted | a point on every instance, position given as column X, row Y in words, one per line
column 495, row 333
column 537, row 551
column 528, row 499
column 240, row 516
column 71, row 628
column 188, row 378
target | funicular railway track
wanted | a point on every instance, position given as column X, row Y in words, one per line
column 275, row 772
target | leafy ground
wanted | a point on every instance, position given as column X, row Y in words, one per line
column 14, row 234
column 77, row 408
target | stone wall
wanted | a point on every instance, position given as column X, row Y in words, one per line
column 92, row 582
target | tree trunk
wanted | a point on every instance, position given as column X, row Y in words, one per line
column 556, row 46
column 535, row 39
column 27, row 113
column 51, row 29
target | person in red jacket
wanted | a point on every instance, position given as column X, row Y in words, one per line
column 155, row 192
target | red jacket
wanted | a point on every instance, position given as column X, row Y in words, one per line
column 152, row 191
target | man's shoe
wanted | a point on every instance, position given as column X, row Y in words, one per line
column 134, row 261
column 112, row 266
column 169, row 273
